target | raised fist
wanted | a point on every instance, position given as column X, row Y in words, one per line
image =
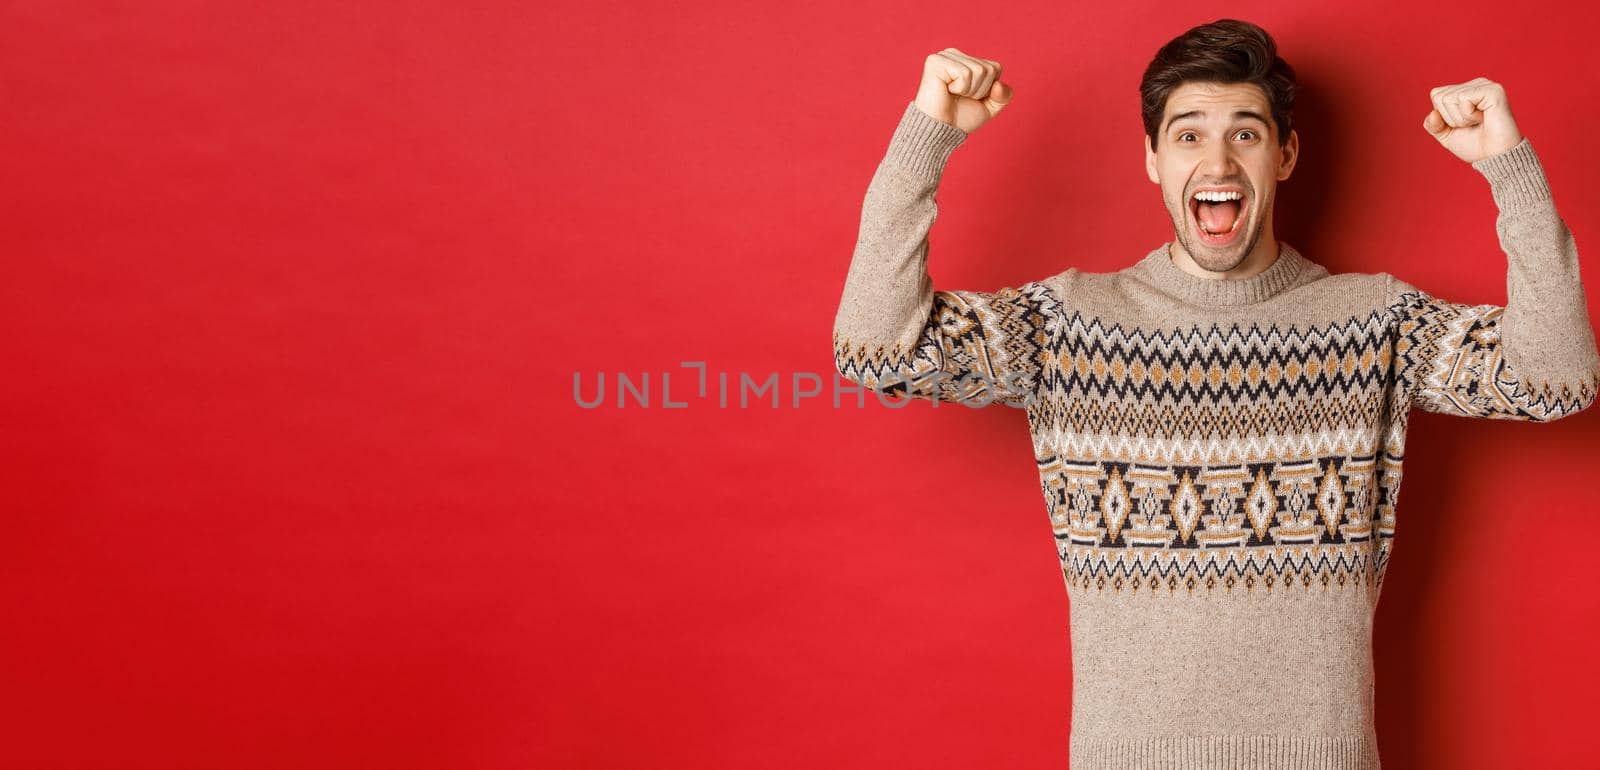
column 1472, row 119
column 961, row 90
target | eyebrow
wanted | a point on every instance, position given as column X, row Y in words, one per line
column 1237, row 115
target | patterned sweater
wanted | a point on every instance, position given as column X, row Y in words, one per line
column 1220, row 459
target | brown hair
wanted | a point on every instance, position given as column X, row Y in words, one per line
column 1224, row 51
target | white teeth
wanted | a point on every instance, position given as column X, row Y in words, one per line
column 1216, row 195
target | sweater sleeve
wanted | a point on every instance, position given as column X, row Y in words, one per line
column 1533, row 358
column 893, row 331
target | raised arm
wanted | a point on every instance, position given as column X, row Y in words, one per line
column 1533, row 358
column 893, row 330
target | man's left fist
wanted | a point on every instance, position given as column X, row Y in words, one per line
column 1472, row 119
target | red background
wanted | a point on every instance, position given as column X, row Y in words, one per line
column 293, row 475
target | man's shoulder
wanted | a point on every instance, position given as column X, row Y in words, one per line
column 1348, row 279
column 1331, row 295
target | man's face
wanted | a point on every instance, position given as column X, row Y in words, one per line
column 1219, row 136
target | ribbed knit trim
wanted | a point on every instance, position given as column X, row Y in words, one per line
column 1516, row 178
column 1158, row 269
column 1233, row 752
column 921, row 145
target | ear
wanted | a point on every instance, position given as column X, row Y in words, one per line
column 1150, row 161
column 1289, row 155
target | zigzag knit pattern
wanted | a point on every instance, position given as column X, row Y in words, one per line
column 976, row 347
column 1238, row 457
column 1456, row 353
column 1220, row 459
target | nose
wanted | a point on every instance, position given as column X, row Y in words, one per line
column 1218, row 161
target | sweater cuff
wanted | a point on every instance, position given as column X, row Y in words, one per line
column 1516, row 177
column 921, row 144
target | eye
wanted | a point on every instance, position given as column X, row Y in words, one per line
column 1184, row 134
column 1249, row 131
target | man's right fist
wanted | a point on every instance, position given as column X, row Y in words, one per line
column 961, row 90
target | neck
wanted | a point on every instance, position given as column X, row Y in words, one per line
column 1283, row 269
column 1257, row 261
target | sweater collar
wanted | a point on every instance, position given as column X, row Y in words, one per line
column 1158, row 269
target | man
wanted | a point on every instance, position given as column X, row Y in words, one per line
column 1219, row 427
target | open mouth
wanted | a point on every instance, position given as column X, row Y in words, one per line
column 1217, row 215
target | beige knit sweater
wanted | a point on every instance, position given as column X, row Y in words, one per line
column 1220, row 459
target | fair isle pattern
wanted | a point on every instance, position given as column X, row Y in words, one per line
column 976, row 347
column 1208, row 383
column 1214, row 458
column 1452, row 351
column 1220, row 458
column 1325, row 523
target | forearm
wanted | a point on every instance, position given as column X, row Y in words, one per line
column 1546, row 335
column 893, row 330
column 887, row 294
